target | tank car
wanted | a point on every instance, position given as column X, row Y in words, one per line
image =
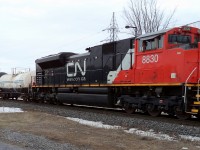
column 2, row 73
column 16, row 85
column 154, row 72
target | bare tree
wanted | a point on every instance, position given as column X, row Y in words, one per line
column 146, row 16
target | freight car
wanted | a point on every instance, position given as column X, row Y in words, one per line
column 16, row 85
column 154, row 72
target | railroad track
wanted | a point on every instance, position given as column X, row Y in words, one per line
column 59, row 109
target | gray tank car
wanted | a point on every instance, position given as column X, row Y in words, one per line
column 16, row 85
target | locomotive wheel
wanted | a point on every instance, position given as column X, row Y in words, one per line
column 180, row 114
column 153, row 111
column 128, row 109
column 55, row 101
column 4, row 97
column 198, row 117
column 25, row 99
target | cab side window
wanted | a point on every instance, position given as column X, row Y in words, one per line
column 160, row 42
column 156, row 42
column 179, row 39
column 197, row 39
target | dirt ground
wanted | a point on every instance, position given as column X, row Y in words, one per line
column 61, row 130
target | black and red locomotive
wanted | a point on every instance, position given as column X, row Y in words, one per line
column 155, row 72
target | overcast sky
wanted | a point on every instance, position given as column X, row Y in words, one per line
column 30, row 29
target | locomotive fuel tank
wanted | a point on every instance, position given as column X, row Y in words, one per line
column 101, row 100
column 91, row 96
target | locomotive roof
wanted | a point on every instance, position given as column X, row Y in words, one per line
column 89, row 49
column 152, row 34
column 54, row 57
column 53, row 60
column 80, row 55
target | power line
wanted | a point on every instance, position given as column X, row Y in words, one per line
column 78, row 40
column 194, row 24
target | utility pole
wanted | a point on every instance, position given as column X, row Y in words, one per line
column 112, row 29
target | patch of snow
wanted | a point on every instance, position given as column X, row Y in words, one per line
column 93, row 123
column 164, row 114
column 184, row 148
column 149, row 133
column 194, row 117
column 10, row 110
column 190, row 138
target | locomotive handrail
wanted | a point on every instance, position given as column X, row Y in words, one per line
column 198, row 89
column 185, row 92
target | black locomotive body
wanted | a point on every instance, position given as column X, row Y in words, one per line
column 76, row 78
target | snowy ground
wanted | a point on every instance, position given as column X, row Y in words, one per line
column 39, row 126
column 149, row 133
column 10, row 110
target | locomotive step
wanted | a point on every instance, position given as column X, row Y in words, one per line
column 197, row 103
column 195, row 106
column 194, row 110
column 196, row 90
column 198, row 96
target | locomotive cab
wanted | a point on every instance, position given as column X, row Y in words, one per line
column 165, row 73
column 171, row 57
column 167, row 56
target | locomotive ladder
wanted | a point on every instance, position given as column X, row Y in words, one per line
column 198, row 88
column 195, row 107
column 196, row 104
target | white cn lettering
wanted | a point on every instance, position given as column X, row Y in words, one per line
column 69, row 74
column 77, row 68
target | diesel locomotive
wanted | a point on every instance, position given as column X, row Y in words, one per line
column 155, row 72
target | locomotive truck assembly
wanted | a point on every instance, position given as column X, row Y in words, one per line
column 155, row 72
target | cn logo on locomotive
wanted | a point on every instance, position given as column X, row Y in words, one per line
column 77, row 68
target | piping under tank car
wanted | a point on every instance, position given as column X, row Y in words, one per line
column 16, row 85
column 155, row 72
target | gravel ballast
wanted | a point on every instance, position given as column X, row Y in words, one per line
column 30, row 141
column 170, row 126
column 107, row 117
